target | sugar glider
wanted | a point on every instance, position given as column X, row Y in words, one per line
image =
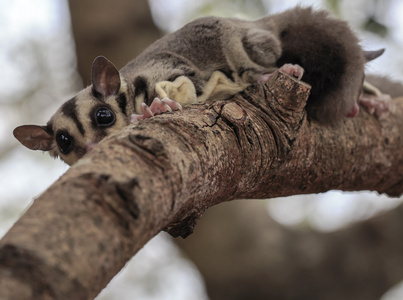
column 210, row 58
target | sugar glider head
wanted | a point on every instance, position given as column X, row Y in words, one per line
column 84, row 120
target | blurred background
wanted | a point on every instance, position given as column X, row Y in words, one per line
column 46, row 51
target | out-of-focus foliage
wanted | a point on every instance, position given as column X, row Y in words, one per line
column 372, row 25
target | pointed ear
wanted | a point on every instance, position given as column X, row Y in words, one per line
column 105, row 77
column 371, row 55
column 34, row 137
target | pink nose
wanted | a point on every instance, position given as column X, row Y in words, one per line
column 90, row 146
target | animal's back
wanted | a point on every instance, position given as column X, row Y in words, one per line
column 198, row 44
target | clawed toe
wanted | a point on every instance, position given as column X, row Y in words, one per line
column 157, row 107
column 172, row 104
column 378, row 105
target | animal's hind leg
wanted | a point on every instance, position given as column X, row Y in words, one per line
column 253, row 53
column 262, row 47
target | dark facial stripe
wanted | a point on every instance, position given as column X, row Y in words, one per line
column 96, row 94
column 69, row 109
column 49, row 128
column 122, row 102
column 141, row 87
column 228, row 73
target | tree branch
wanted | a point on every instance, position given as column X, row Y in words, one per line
column 166, row 171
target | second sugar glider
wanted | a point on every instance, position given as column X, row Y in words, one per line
column 210, row 58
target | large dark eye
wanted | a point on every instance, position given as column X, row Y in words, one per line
column 104, row 117
column 64, row 142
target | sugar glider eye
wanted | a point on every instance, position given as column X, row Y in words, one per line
column 104, row 117
column 64, row 141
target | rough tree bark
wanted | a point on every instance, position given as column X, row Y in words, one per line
column 360, row 262
column 164, row 172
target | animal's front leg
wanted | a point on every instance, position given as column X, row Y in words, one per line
column 181, row 89
column 158, row 106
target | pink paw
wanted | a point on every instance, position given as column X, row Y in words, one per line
column 158, row 106
column 378, row 105
column 293, row 70
column 290, row 69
